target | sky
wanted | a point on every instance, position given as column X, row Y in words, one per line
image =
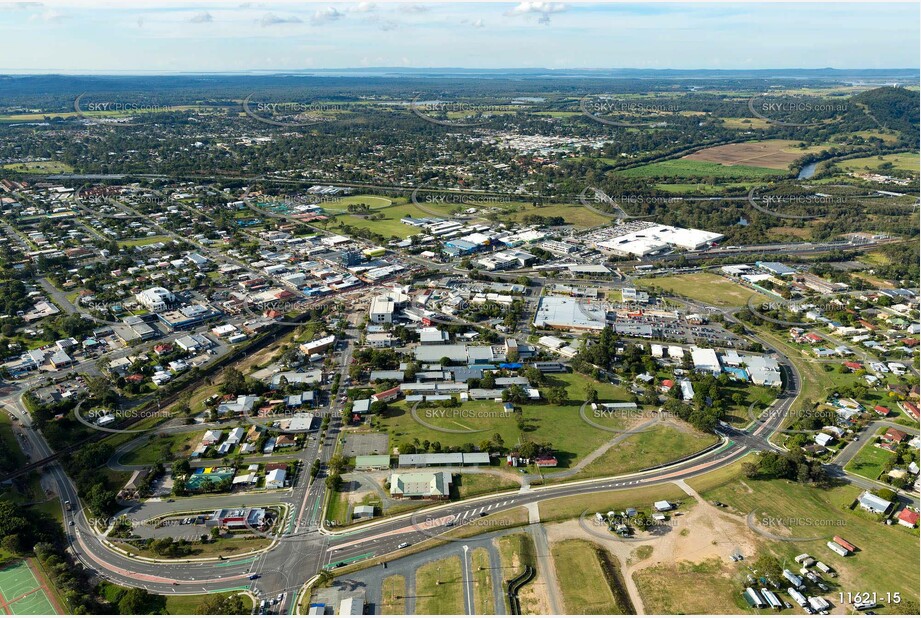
column 171, row 36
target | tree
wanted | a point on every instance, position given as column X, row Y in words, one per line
column 591, row 393
column 557, row 395
column 215, row 605
column 134, row 601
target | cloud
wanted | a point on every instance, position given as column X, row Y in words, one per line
column 327, row 15
column 140, row 22
column 414, row 8
column 9, row 6
column 270, row 19
column 201, row 18
column 49, row 15
column 476, row 23
column 543, row 10
column 363, row 7
column 251, row 5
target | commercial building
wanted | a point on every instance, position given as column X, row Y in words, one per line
column 421, row 485
column 569, row 314
column 705, row 360
column 156, row 299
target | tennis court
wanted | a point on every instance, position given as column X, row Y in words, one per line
column 20, row 592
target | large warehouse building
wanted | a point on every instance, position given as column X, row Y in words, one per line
column 658, row 238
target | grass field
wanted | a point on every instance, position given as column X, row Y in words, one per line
column 390, row 224
column 469, row 485
column 709, row 588
column 583, row 579
column 811, row 512
column 482, row 582
column 869, row 460
column 542, row 422
column 140, row 242
column 701, row 187
column 373, row 201
column 687, row 168
column 906, row 162
column 705, row 287
column 649, row 448
column 188, row 603
column 393, row 595
column 574, row 214
column 745, row 123
column 39, row 167
column 167, row 447
column 439, row 588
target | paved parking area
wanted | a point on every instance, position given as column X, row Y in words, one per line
column 358, row 444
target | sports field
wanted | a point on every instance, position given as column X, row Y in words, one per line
column 21, row 594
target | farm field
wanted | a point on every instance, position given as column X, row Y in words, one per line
column 584, row 580
column 439, row 587
column 906, row 162
column 772, row 154
column 706, row 287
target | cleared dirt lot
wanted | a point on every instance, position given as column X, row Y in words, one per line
column 773, row 154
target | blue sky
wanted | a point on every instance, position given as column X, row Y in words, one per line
column 76, row 36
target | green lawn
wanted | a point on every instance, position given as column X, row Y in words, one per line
column 584, row 581
column 705, row 287
column 688, row 168
column 469, row 485
column 574, row 214
column 188, row 603
column 140, row 242
column 702, row 188
column 542, row 422
column 390, row 224
column 870, row 459
column 163, row 448
column 660, row 445
column 440, row 588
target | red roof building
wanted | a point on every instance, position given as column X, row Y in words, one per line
column 546, row 461
column 853, row 366
column 387, row 395
column 881, row 410
column 908, row 518
column 910, row 409
column 894, row 435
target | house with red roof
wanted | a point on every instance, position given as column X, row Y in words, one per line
column 881, row 410
column 910, row 409
column 853, row 366
column 908, row 518
column 894, row 435
column 666, row 385
column 388, row 395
